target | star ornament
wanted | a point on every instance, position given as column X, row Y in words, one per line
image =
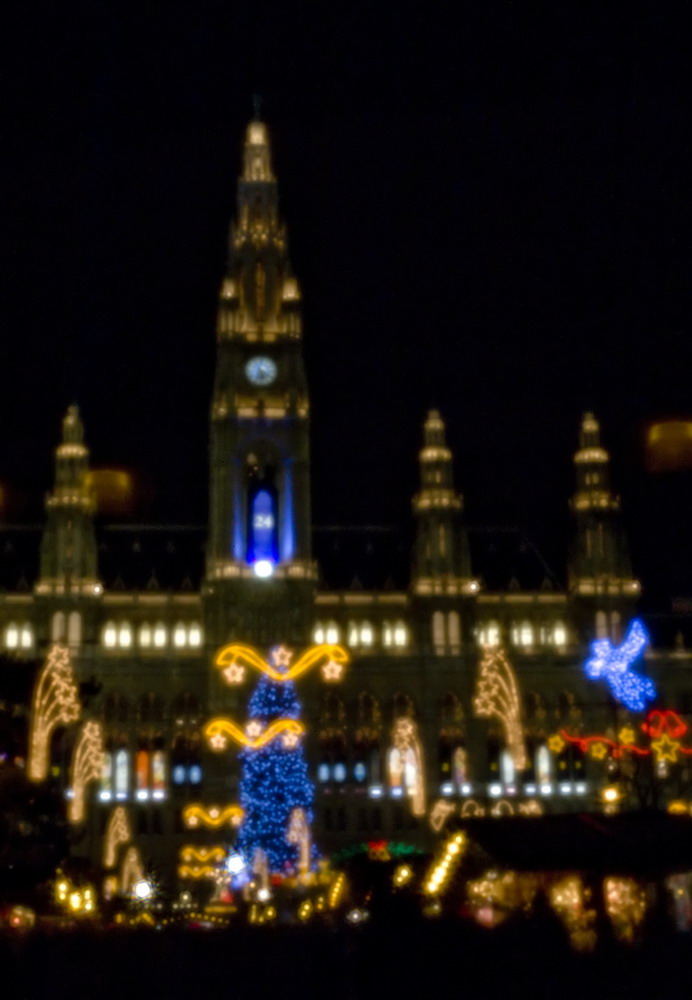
column 234, row 674
column 332, row 671
column 626, row 735
column 599, row 751
column 665, row 749
column 556, row 744
column 290, row 740
column 218, row 741
column 253, row 729
column 281, row 656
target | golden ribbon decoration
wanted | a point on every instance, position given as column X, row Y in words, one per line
column 236, row 656
column 218, row 730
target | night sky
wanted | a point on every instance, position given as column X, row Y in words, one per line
column 488, row 212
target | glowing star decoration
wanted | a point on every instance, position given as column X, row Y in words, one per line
column 218, row 730
column 235, row 658
column 497, row 695
column 204, row 855
column 665, row 749
column 253, row 729
column 598, row 751
column 332, row 671
column 439, row 813
column 117, row 832
column 613, row 663
column 87, row 765
column 299, row 833
column 289, row 740
column 405, row 764
column 55, row 702
column 214, row 817
column 556, row 744
column 627, row 735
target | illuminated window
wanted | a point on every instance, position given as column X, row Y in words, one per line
column 26, row 636
column 179, row 635
column 145, row 635
column 57, row 627
column 507, row 771
column 74, row 628
column 387, row 634
column 489, row 634
column 122, row 774
column 195, row 774
column 142, row 772
column 438, row 632
column 323, row 772
column 318, row 633
column 194, row 635
column 12, row 636
column 601, row 625
column 559, row 634
column 352, row 634
column 340, row 771
column 107, row 776
column 124, row 635
column 332, row 633
column 454, row 631
column 400, row 634
column 544, row 766
column 366, row 634
column 160, row 635
column 109, row 635
column 158, row 772
column 522, row 634
column 460, row 765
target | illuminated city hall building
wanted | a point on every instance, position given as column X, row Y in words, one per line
column 458, row 685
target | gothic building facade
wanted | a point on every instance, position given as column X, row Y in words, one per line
column 402, row 738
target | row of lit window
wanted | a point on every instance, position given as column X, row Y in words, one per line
column 121, row 635
column 523, row 634
column 147, row 780
column 18, row 636
column 394, row 634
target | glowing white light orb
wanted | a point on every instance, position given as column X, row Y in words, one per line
column 263, row 895
column 263, row 568
column 142, row 889
column 235, row 864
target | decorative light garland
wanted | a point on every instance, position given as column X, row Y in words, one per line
column 205, row 855
column 233, row 660
column 613, row 663
column 497, row 695
column 212, row 816
column 664, row 725
column 220, row 729
column 87, row 765
column 444, row 866
column 55, row 702
column 117, row 832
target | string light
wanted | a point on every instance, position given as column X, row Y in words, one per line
column 218, row 730
column 87, row 765
column 233, row 660
column 336, row 891
column 213, row 816
column 117, row 833
column 497, row 695
column 444, row 867
column 204, row 855
column 612, row 663
column 55, row 702
column 625, row 904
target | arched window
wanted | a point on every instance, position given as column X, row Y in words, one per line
column 331, row 634
column 109, row 635
column 366, row 634
column 145, row 635
column 194, row 635
column 489, row 634
column 352, row 634
column 507, row 769
column 124, row 635
column 387, row 634
column 57, row 626
column 26, row 636
column 400, row 634
column 438, row 632
column 122, row 774
column 544, row 765
column 601, row 625
column 318, row 633
column 74, row 629
column 106, row 790
column 142, row 774
column 460, row 765
column 158, row 774
column 559, row 634
column 160, row 635
column 11, row 636
column 522, row 634
column 180, row 635
column 454, row 631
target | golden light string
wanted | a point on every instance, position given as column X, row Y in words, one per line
column 497, row 696
column 55, row 702
column 218, row 730
column 233, row 659
column 87, row 765
column 117, row 833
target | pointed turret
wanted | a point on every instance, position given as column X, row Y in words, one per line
column 441, row 563
column 600, row 566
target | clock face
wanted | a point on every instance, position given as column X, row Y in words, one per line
column 260, row 370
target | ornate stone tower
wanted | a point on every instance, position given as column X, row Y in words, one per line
column 260, row 577
column 442, row 566
column 68, row 584
column 600, row 571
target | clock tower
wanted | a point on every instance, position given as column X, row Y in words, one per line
column 260, row 577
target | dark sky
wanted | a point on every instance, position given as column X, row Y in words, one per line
column 488, row 211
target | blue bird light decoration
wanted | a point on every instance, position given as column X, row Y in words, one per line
column 613, row 664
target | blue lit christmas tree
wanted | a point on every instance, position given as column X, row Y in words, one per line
column 274, row 779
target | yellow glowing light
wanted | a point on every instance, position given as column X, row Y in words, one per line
column 497, row 695
column 405, row 763
column 117, row 833
column 678, row 808
column 87, row 765
column 213, row 817
column 625, row 903
column 610, row 794
column 55, row 702
column 598, row 751
column 556, row 743
column 197, row 871
column 75, row 901
column 439, row 813
column 403, row 875
column 665, row 749
column 218, row 730
column 444, row 865
column 236, row 654
column 336, row 891
column 204, row 855
column 627, row 735
column 305, row 910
